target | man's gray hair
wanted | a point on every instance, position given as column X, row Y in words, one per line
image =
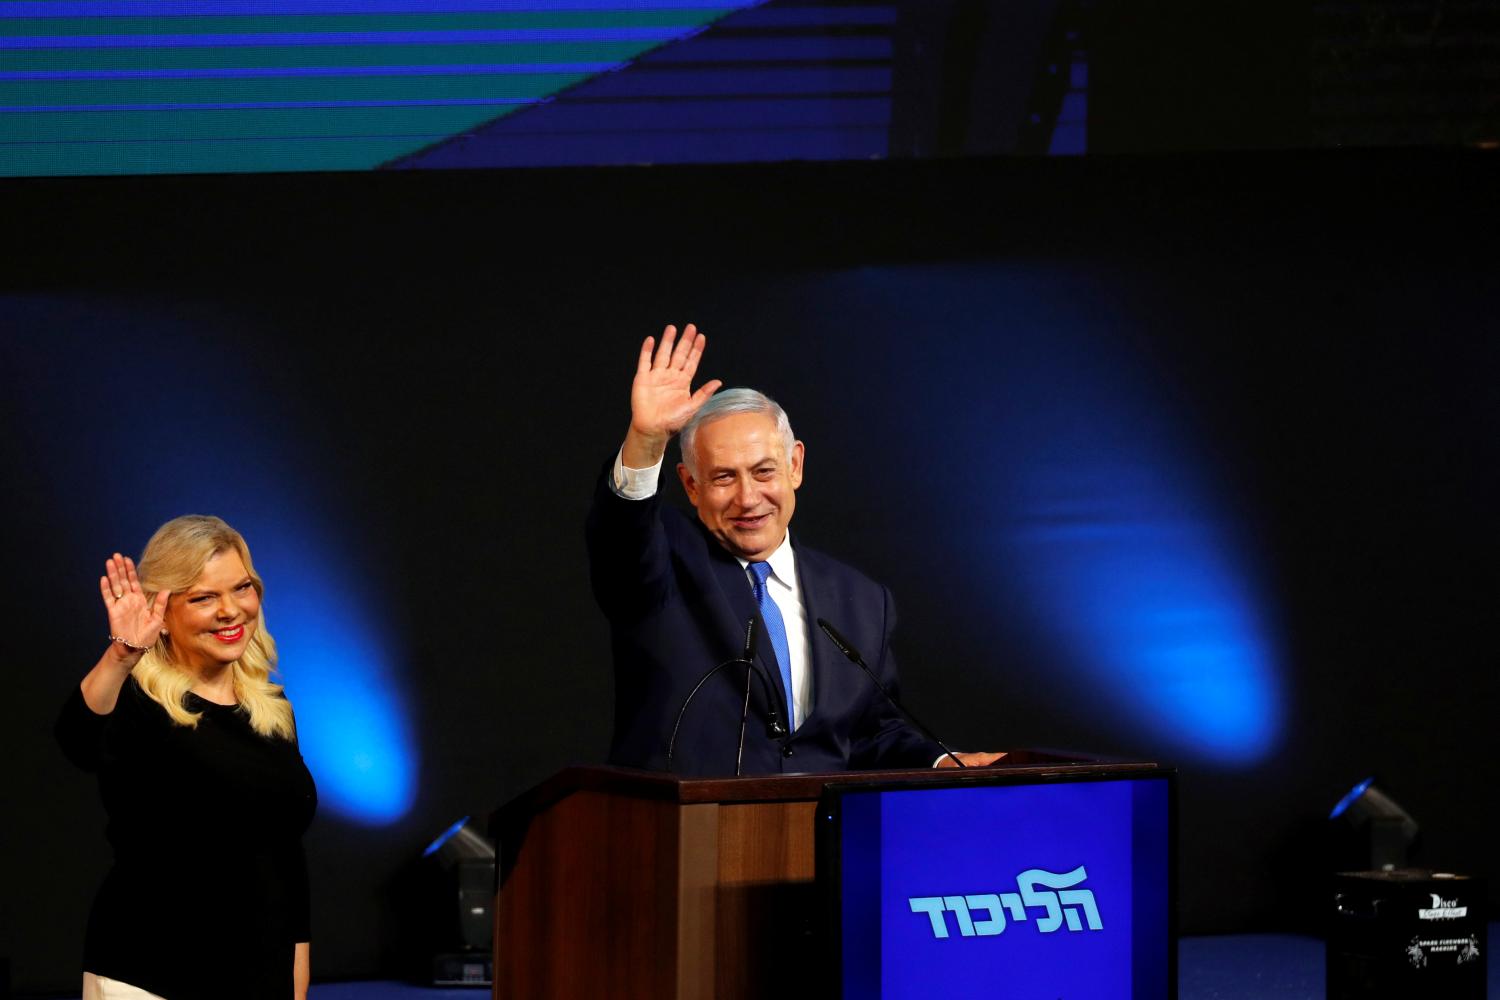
column 726, row 403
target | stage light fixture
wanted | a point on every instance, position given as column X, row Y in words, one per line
column 1383, row 833
column 460, row 895
column 459, row 843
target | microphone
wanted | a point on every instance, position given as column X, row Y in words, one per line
column 847, row 648
column 774, row 727
column 775, row 730
column 749, row 658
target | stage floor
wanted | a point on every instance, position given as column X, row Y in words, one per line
column 1228, row 967
column 1270, row 967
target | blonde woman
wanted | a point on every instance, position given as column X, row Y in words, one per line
column 207, row 795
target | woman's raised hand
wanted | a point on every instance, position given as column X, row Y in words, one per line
column 131, row 617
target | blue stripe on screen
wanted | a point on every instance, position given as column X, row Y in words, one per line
column 641, row 117
column 774, row 49
column 812, row 17
column 709, row 146
column 342, row 38
column 228, row 139
column 456, row 102
column 260, row 8
column 721, row 82
column 255, row 72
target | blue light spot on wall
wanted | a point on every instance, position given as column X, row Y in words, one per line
column 1112, row 534
column 1148, row 604
column 356, row 747
column 1087, row 510
column 351, row 722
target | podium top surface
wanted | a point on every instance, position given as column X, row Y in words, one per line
column 1018, row 765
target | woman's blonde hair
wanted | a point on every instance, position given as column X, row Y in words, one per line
column 173, row 560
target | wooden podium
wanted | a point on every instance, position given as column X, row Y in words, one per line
column 617, row 883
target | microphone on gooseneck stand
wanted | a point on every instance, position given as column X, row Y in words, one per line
column 847, row 648
column 749, row 658
column 774, row 728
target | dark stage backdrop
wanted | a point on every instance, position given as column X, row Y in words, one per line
column 1188, row 457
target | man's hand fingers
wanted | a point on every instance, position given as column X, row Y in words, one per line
column 664, row 352
column 705, row 390
column 978, row 759
column 643, row 363
column 684, row 347
column 695, row 354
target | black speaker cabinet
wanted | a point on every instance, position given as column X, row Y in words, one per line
column 1406, row 933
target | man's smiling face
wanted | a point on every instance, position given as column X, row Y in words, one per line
column 745, row 488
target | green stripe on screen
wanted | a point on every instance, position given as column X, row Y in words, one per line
column 30, row 93
column 247, row 156
column 358, row 22
column 289, row 123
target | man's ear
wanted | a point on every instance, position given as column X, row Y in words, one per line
column 798, row 454
column 689, row 484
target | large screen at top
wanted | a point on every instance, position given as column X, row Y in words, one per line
column 227, row 86
column 1024, row 891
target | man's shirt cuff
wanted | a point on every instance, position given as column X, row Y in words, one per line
column 634, row 484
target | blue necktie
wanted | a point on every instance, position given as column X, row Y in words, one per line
column 770, row 616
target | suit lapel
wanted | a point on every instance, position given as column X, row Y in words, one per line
column 735, row 586
column 819, row 593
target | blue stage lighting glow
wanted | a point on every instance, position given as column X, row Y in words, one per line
column 1089, row 512
column 350, row 718
column 1110, row 536
column 1148, row 605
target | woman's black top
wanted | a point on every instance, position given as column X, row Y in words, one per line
column 208, row 893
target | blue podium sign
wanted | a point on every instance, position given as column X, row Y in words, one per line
column 1008, row 887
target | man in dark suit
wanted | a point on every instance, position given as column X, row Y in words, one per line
column 679, row 594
